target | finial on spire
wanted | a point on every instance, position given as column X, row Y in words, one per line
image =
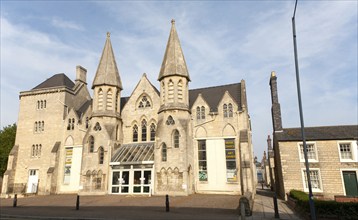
column 108, row 34
column 273, row 74
column 173, row 21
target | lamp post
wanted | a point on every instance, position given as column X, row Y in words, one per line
column 310, row 195
column 273, row 183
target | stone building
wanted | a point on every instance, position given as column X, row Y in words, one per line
column 331, row 151
column 167, row 141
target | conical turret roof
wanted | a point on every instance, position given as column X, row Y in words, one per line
column 107, row 71
column 173, row 61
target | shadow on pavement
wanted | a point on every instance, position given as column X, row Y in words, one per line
column 115, row 212
column 264, row 192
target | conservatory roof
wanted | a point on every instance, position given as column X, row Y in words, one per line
column 135, row 153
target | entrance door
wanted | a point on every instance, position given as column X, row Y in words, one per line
column 124, row 182
column 33, row 181
column 350, row 183
column 131, row 181
column 120, row 181
column 141, row 181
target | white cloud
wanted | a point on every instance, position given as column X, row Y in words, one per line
column 58, row 22
column 28, row 59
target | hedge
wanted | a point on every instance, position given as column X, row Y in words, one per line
column 324, row 208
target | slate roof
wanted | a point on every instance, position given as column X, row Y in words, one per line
column 84, row 107
column 213, row 95
column 58, row 80
column 341, row 132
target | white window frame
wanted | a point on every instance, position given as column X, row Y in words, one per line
column 353, row 148
column 347, row 169
column 303, row 173
column 302, row 156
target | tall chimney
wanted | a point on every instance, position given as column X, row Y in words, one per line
column 275, row 109
column 81, row 74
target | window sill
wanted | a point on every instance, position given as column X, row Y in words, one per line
column 347, row 161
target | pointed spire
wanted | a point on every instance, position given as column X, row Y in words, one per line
column 173, row 61
column 107, row 71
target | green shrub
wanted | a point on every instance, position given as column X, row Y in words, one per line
column 346, row 210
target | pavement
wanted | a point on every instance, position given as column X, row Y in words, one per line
column 197, row 206
column 263, row 207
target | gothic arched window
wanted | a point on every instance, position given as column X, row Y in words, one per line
column 163, row 92
column 176, row 139
column 91, row 144
column 164, row 152
column 73, row 124
column 109, row 100
column 180, row 90
column 171, row 91
column 144, row 102
column 202, row 112
column 225, row 110
column 33, row 150
column 198, row 113
column 116, row 106
column 144, row 130
column 100, row 99
column 100, row 155
column 152, row 132
column 230, row 111
column 135, row 133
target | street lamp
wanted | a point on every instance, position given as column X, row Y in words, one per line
column 273, row 183
column 310, row 195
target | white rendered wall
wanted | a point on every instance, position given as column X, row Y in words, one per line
column 74, row 184
column 216, row 165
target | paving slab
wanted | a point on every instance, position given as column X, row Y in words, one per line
column 197, row 206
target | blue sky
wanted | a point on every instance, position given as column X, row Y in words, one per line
column 223, row 42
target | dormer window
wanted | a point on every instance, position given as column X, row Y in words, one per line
column 200, row 112
column 228, row 110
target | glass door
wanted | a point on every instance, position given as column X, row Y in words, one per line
column 125, row 182
column 142, row 181
column 147, row 181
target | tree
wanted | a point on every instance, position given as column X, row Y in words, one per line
column 7, row 141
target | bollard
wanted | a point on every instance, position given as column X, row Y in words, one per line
column 167, row 203
column 78, row 203
column 242, row 211
column 15, row 201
